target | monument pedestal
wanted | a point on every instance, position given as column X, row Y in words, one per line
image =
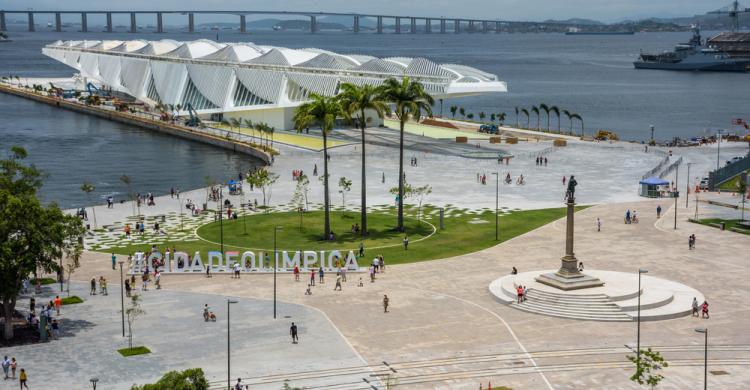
column 568, row 277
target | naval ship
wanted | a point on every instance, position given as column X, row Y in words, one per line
column 694, row 55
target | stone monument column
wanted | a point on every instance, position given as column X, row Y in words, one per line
column 568, row 277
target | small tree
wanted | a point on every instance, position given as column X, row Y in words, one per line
column 190, row 379
column 647, row 367
column 482, row 115
column 298, row 200
column 492, row 117
column 470, row 116
column 345, row 185
column 453, row 111
column 420, row 193
column 132, row 313
column 742, row 189
column 263, row 179
column 462, row 111
column 88, row 188
column 125, row 179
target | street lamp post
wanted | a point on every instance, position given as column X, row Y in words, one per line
column 93, row 382
column 221, row 221
column 676, row 193
column 122, row 298
column 276, row 265
column 229, row 345
column 497, row 197
column 705, row 357
column 718, row 147
column 652, row 132
column 687, row 185
column 638, row 334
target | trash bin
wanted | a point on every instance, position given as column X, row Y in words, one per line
column 164, row 218
column 88, row 227
column 723, row 225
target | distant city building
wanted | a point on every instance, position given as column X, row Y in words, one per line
column 249, row 81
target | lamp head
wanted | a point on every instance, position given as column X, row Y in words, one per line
column 701, row 330
column 642, row 271
column 231, row 301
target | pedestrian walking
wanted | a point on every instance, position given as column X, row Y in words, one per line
column 519, row 294
column 293, row 333
column 296, row 273
column 6, row 366
column 525, row 290
column 580, row 266
column 704, row 310
column 127, row 288
column 406, row 243
column 58, row 304
column 114, row 260
column 23, row 378
column 695, row 308
column 157, row 279
column 658, row 211
column 93, row 287
column 598, row 224
column 338, row 283
column 13, row 364
column 372, row 274
column 103, row 285
column 312, row 277
column 321, row 274
column 55, row 331
column 237, row 270
column 385, row 303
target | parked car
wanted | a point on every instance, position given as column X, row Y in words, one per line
column 734, row 160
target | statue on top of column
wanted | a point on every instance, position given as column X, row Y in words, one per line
column 570, row 193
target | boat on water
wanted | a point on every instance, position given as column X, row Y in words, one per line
column 694, row 55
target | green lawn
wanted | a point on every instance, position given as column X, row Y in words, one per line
column 134, row 351
column 730, row 223
column 43, row 281
column 465, row 232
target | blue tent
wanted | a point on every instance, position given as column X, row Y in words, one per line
column 650, row 187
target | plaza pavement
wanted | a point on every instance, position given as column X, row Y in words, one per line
column 442, row 309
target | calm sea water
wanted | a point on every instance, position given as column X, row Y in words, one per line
column 591, row 75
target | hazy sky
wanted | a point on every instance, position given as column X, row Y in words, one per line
column 604, row 10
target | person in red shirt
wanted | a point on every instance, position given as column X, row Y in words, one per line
column 296, row 273
column 519, row 290
column 58, row 304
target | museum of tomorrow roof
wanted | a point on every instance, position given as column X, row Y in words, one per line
column 232, row 77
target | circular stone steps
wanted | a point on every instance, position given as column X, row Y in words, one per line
column 617, row 300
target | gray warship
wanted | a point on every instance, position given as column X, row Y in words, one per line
column 694, row 55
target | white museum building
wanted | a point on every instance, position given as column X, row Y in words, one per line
column 249, row 81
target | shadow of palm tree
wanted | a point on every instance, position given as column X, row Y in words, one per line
column 71, row 327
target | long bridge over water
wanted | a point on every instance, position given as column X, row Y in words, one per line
column 430, row 24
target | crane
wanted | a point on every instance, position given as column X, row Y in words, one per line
column 733, row 10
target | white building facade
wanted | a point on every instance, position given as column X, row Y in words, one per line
column 249, row 81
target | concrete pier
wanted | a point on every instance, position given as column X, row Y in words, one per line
column 413, row 27
column 398, row 25
column 109, row 22
column 84, row 23
column 191, row 22
column 2, row 22
column 457, row 26
column 243, row 24
column 380, row 25
column 58, row 22
column 159, row 23
column 133, row 25
column 356, row 24
column 313, row 24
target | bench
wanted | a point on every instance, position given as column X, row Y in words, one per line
column 716, row 225
column 739, row 230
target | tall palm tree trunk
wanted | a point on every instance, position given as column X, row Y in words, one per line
column 326, row 197
column 401, row 179
column 558, row 123
column 364, row 181
column 581, row 127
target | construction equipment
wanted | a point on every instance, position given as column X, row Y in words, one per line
column 93, row 90
column 733, row 10
column 194, row 120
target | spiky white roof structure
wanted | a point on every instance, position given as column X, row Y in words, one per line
column 226, row 77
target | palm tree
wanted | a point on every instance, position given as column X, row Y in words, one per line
column 526, row 112
column 482, row 116
column 493, row 117
column 555, row 110
column 470, row 116
column 249, row 125
column 88, row 188
column 355, row 101
column 535, row 110
column 516, row 117
column 576, row 116
column 236, row 123
column 453, row 111
column 545, row 107
column 322, row 110
column 271, row 130
column 501, row 118
column 570, row 118
column 462, row 111
column 410, row 100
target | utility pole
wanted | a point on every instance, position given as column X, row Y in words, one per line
column 122, row 298
column 718, row 147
